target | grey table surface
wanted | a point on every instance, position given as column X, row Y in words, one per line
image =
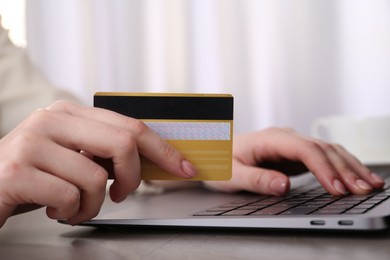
column 34, row 236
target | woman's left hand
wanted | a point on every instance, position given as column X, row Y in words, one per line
column 263, row 160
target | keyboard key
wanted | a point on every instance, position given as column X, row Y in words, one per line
column 208, row 213
column 355, row 211
column 220, row 209
column 298, row 211
column 273, row 210
column 338, row 206
column 328, row 211
column 364, row 206
column 346, row 202
column 250, row 207
column 237, row 212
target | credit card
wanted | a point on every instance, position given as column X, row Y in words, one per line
column 200, row 126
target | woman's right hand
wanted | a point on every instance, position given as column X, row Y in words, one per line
column 48, row 160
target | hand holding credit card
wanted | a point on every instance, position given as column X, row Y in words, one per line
column 200, row 126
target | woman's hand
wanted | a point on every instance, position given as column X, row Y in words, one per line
column 48, row 160
column 263, row 160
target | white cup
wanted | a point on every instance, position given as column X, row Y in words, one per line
column 368, row 138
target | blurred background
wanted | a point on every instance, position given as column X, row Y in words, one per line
column 285, row 62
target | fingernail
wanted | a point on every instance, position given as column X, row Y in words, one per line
column 363, row 185
column 188, row 169
column 376, row 178
column 279, row 186
column 339, row 186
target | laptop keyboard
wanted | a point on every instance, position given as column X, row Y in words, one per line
column 313, row 201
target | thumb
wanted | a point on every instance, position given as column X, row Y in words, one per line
column 253, row 179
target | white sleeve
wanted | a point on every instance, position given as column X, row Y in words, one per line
column 22, row 87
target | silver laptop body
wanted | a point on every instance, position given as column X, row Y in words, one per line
column 202, row 208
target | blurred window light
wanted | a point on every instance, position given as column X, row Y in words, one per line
column 13, row 18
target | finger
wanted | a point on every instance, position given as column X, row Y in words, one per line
column 281, row 144
column 149, row 144
column 362, row 171
column 91, row 138
column 91, row 178
column 123, row 183
column 63, row 205
column 322, row 167
column 254, row 179
column 75, row 168
column 346, row 171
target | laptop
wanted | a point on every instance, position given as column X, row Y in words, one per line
column 306, row 207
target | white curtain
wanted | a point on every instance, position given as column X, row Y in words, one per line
column 286, row 62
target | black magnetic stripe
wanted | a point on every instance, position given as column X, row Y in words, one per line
column 163, row 107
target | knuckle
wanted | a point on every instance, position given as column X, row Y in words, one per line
column 345, row 169
column 70, row 196
column 126, row 140
column 311, row 146
column 60, row 105
column 311, row 151
column 137, row 126
column 10, row 172
column 338, row 146
column 169, row 152
column 26, row 141
column 328, row 147
column 257, row 183
column 251, row 182
column 39, row 118
column 98, row 178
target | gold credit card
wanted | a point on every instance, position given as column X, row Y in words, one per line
column 200, row 126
